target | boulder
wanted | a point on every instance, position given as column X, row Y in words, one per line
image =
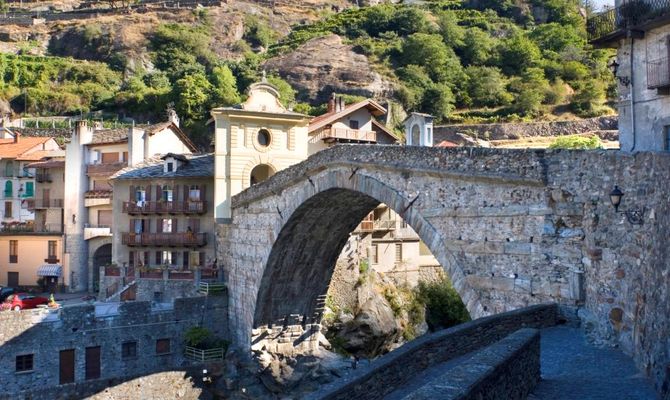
column 326, row 65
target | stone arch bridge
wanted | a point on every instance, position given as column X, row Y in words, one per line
column 511, row 228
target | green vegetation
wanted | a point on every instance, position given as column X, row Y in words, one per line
column 201, row 338
column 488, row 62
column 577, row 142
column 444, row 307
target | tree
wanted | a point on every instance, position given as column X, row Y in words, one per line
column 224, row 87
column 286, row 91
column 444, row 307
column 452, row 33
column 556, row 37
column 517, row 54
column 529, row 91
column 438, row 100
column 192, row 96
column 258, row 33
column 486, row 87
column 409, row 20
column 478, row 47
column 429, row 51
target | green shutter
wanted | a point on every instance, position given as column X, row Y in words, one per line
column 30, row 189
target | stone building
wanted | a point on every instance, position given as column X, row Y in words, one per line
column 253, row 140
column 92, row 156
column 163, row 212
column 418, row 129
column 641, row 33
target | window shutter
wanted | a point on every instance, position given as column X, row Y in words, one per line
column 159, row 193
column 174, row 225
column 131, row 258
column 148, row 192
column 185, row 192
column 159, row 228
column 174, row 257
column 184, row 261
column 202, row 259
column 175, row 193
column 146, row 258
column 203, row 192
column 159, row 260
column 131, row 193
column 196, row 223
column 132, row 226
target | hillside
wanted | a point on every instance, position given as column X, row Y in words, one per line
column 475, row 61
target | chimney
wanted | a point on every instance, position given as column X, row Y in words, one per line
column 84, row 135
column 16, row 137
column 173, row 117
column 339, row 104
column 331, row 103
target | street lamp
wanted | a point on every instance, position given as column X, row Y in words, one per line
column 635, row 216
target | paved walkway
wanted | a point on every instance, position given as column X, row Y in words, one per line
column 571, row 370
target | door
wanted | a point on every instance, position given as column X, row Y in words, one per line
column 92, row 362
column 13, row 279
column 45, row 197
column 66, row 366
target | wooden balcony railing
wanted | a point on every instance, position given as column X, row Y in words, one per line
column 105, row 169
column 43, row 177
column 658, row 73
column 608, row 25
column 45, row 203
column 182, row 239
column 343, row 134
column 165, row 207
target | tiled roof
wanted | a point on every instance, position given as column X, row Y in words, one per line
column 197, row 166
column 446, row 143
column 330, row 117
column 109, row 136
column 34, row 156
column 47, row 164
column 10, row 149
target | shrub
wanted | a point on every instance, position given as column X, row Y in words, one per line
column 577, row 142
column 444, row 307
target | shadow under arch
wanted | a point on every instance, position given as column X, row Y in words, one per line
column 302, row 259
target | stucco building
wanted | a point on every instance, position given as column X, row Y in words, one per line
column 165, row 219
column 92, row 157
column 641, row 33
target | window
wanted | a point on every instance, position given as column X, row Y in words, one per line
column 398, row 252
column 66, row 366
column 30, row 189
column 353, row 124
column 162, row 346
column 105, row 218
column 128, row 350
column 667, row 138
column 110, row 158
column 13, row 251
column 131, row 258
column 170, row 167
column 8, row 209
column 9, row 169
column 416, row 136
column 24, row 363
column 167, row 225
column 140, row 195
column 263, row 137
column 52, row 249
column 374, row 254
column 167, row 192
column 167, row 257
column 101, row 185
column 9, row 189
column 193, row 258
column 92, row 367
column 194, row 193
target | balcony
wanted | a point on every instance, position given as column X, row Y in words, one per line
column 330, row 135
column 36, row 204
column 165, row 207
column 24, row 228
column 93, row 231
column 658, row 73
column 183, row 239
column 606, row 28
column 105, row 169
column 97, row 198
column 377, row 225
column 43, row 178
column 52, row 260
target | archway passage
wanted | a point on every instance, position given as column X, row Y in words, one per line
column 260, row 173
column 303, row 257
column 101, row 257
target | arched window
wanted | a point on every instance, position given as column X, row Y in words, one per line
column 9, row 189
column 260, row 173
column 264, row 137
column 167, row 193
column 9, row 169
column 416, row 136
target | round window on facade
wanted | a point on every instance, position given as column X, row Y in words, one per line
column 264, row 137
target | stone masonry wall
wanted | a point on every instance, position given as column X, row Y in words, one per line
column 508, row 369
column 510, row 227
column 44, row 334
column 521, row 130
column 394, row 369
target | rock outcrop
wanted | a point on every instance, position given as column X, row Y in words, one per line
column 326, row 65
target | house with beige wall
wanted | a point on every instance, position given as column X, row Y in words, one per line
column 25, row 258
column 254, row 140
column 92, row 157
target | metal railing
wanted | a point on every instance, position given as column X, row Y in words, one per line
column 42, row 177
column 112, row 289
column 208, row 288
column 629, row 15
column 31, row 228
column 658, row 73
column 45, row 203
column 165, row 207
column 355, row 135
column 183, row 239
column 194, row 354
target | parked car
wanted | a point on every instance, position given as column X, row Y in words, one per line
column 25, row 301
column 5, row 292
